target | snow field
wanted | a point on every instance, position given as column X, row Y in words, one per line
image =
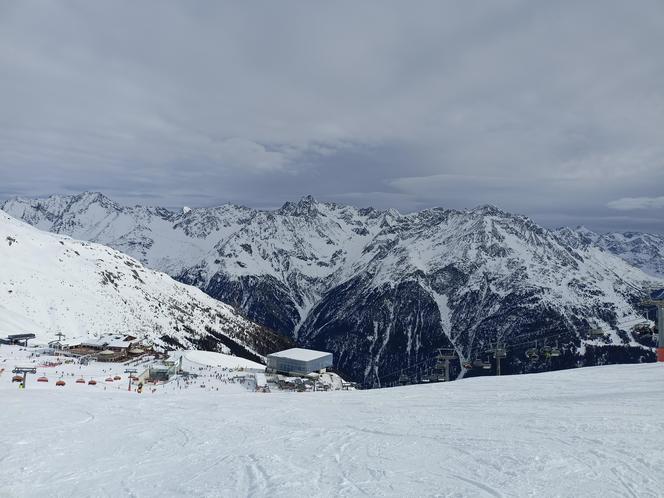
column 584, row 432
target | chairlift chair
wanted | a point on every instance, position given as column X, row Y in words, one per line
column 555, row 351
column 531, row 354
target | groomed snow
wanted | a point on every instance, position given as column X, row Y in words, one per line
column 585, row 432
column 220, row 360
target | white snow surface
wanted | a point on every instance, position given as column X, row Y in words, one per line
column 583, row 432
column 221, row 360
column 50, row 283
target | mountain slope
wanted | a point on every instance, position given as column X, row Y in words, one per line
column 643, row 250
column 380, row 289
column 51, row 283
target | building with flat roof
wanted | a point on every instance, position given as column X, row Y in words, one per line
column 20, row 339
column 299, row 361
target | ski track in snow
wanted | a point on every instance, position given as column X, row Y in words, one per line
column 585, row 432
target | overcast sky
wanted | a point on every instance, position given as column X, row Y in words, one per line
column 554, row 109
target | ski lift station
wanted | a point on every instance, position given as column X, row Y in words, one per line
column 298, row 361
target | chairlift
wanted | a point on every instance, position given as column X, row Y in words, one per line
column 478, row 363
column 500, row 353
column 92, row 382
column 446, row 354
column 42, row 379
column 403, row 378
column 468, row 365
column 80, row 381
column 531, row 354
column 486, row 365
column 60, row 383
column 555, row 351
column 546, row 351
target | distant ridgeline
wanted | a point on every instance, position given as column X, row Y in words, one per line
column 383, row 290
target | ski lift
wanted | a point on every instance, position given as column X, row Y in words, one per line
column 80, row 381
column 109, row 379
column 500, row 353
column 555, row 352
column 42, row 379
column 546, row 351
column 531, row 354
column 446, row 354
column 486, row 365
column 467, row 365
column 117, row 377
column 403, row 379
column 60, row 383
column 17, row 378
column 478, row 363
column 92, row 382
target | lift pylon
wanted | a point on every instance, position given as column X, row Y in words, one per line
column 443, row 361
column 657, row 299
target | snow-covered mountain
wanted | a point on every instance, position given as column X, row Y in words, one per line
column 380, row 289
column 51, row 283
column 643, row 250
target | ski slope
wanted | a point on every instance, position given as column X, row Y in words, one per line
column 585, row 432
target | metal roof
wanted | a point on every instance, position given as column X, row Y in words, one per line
column 299, row 354
column 14, row 337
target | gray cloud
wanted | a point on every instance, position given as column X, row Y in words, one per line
column 552, row 109
column 632, row 203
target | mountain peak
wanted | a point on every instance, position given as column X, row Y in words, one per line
column 307, row 200
column 487, row 209
column 306, row 205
